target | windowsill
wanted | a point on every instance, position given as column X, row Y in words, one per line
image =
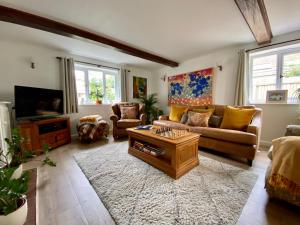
column 288, row 104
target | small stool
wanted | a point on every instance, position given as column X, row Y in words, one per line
column 89, row 130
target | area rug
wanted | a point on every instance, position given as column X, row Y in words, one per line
column 136, row 193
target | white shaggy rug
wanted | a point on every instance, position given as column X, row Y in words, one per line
column 136, row 193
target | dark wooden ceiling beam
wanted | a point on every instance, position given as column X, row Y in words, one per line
column 255, row 14
column 26, row 19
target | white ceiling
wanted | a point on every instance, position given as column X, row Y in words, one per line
column 175, row 29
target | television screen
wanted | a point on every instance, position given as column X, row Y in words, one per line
column 37, row 102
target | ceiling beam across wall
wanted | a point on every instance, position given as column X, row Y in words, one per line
column 255, row 14
column 26, row 19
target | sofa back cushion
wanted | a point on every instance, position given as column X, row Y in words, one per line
column 176, row 112
column 237, row 118
column 198, row 119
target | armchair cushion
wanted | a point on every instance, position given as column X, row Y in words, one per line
column 128, row 112
column 127, row 123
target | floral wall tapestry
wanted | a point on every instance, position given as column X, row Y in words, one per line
column 139, row 87
column 193, row 88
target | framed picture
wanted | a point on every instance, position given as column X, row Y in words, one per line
column 139, row 87
column 277, row 96
column 192, row 88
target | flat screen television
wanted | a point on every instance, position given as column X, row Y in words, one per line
column 35, row 103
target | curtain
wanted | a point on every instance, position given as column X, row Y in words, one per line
column 69, row 85
column 124, row 88
column 241, row 89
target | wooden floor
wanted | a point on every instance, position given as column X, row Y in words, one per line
column 65, row 197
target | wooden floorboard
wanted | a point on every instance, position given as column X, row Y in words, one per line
column 65, row 197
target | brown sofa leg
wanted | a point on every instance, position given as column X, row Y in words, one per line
column 249, row 161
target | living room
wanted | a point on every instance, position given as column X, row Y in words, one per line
column 96, row 169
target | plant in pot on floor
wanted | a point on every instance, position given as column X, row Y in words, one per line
column 151, row 110
column 96, row 91
column 14, row 182
column 15, row 155
column 13, row 202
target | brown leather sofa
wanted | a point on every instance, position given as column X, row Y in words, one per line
column 120, row 125
column 234, row 142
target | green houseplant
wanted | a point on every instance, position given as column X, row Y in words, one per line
column 151, row 110
column 13, row 202
column 15, row 155
column 96, row 91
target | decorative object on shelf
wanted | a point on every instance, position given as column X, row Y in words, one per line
column 139, row 87
column 277, row 96
column 193, row 88
column 152, row 112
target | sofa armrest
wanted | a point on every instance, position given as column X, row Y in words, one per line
column 114, row 118
column 143, row 118
column 163, row 117
column 255, row 126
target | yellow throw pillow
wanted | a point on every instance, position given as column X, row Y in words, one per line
column 237, row 118
column 176, row 112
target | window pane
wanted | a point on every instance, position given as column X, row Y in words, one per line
column 110, row 81
column 80, row 86
column 95, row 85
column 264, row 71
column 291, row 75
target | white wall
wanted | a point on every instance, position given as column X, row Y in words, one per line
column 223, row 81
column 275, row 117
column 15, row 58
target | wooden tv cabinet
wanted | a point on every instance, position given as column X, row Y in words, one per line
column 54, row 132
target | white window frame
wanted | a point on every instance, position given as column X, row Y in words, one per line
column 106, row 71
column 279, row 69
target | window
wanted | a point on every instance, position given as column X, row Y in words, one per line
column 94, row 83
column 274, row 70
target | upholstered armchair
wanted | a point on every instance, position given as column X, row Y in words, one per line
column 121, row 122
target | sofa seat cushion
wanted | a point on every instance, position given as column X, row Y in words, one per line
column 127, row 123
column 226, row 135
column 171, row 124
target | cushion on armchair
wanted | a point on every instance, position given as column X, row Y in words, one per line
column 128, row 112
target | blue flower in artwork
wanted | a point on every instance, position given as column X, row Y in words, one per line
column 198, row 84
column 176, row 88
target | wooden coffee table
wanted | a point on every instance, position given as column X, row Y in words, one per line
column 179, row 157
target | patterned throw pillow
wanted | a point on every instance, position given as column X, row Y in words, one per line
column 128, row 112
column 198, row 119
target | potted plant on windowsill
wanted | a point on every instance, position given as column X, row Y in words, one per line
column 13, row 202
column 96, row 91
